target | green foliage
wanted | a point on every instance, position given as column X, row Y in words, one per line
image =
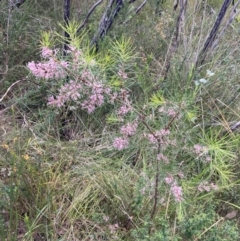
column 207, row 226
column 61, row 178
column 157, row 100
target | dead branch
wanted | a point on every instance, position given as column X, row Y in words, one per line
column 212, row 36
column 135, row 11
column 141, row 6
column 232, row 16
column 179, row 24
column 107, row 19
column 9, row 88
column 89, row 14
column 66, row 16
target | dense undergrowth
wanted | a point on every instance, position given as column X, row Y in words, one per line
column 110, row 145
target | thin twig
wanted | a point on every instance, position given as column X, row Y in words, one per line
column 219, row 220
column 171, row 121
column 176, row 39
column 213, row 33
column 102, row 23
column 135, row 12
column 233, row 14
column 156, row 183
column 9, row 88
column 141, row 6
column 88, row 15
column 66, row 17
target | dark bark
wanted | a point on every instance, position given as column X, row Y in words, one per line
column 158, row 10
column 112, row 10
column 176, row 39
column 212, row 36
column 235, row 11
column 16, row 3
column 89, row 14
column 66, row 11
column 141, row 6
column 107, row 19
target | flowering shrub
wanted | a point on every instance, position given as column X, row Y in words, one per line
column 51, row 67
column 82, row 81
column 85, row 89
column 84, row 85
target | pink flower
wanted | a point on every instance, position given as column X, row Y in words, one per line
column 86, row 75
column 129, row 129
column 113, row 97
column 69, row 91
column 120, row 143
column 47, row 52
column 180, row 175
column 152, row 138
column 208, row 159
column 76, row 56
column 171, row 112
column 122, row 74
column 158, row 136
column 162, row 132
column 169, row 179
column 92, row 102
column 58, row 102
column 177, row 192
column 63, row 64
column 160, row 157
column 205, row 186
column 198, row 149
column 113, row 228
column 50, row 69
column 123, row 110
column 106, row 218
column 214, row 187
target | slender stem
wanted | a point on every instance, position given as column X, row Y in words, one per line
column 212, row 36
column 88, row 15
column 66, row 10
column 141, row 6
column 156, row 184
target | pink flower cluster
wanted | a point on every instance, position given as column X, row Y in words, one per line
column 127, row 130
column 95, row 95
column 92, row 92
column 169, row 111
column 175, row 189
column 113, row 228
column 120, row 143
column 85, row 88
column 169, row 179
column 124, row 109
column 161, row 157
column 202, row 151
column 49, row 69
column 67, row 92
column 199, row 149
column 122, row 74
column 177, row 192
column 158, row 136
column 205, row 186
column 47, row 52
